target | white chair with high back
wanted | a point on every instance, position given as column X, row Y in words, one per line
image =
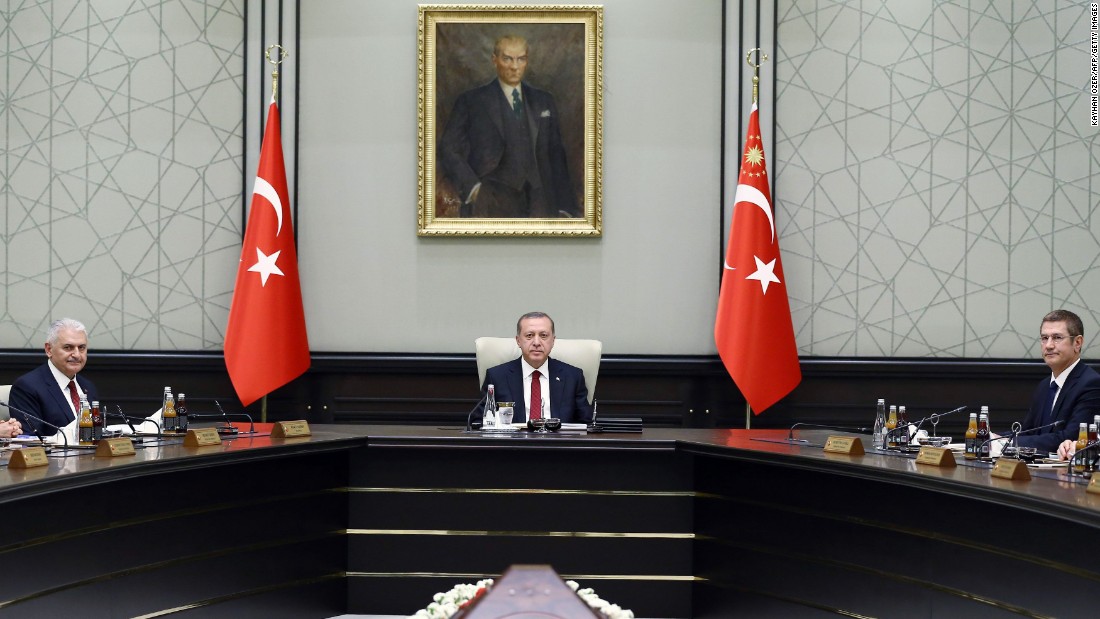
column 5, row 391
column 584, row 354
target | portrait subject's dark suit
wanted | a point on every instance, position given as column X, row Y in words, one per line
column 1077, row 402
column 568, row 393
column 519, row 161
column 37, row 393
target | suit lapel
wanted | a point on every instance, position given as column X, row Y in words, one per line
column 557, row 388
column 492, row 106
column 532, row 119
column 515, row 387
column 60, row 399
column 1066, row 390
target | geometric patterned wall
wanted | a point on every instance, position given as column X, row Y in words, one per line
column 122, row 170
column 936, row 175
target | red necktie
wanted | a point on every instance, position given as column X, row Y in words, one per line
column 536, row 396
column 74, row 396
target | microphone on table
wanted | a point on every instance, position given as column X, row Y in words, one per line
column 935, row 418
column 224, row 416
column 29, row 416
column 131, row 418
column 470, row 415
column 790, row 434
column 1014, row 433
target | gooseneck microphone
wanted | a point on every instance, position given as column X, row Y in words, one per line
column 224, row 416
column 131, row 418
column 470, row 415
column 935, row 418
column 790, row 433
column 29, row 416
column 1014, row 433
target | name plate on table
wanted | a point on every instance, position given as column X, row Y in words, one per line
column 202, row 437
column 111, row 447
column 1094, row 485
column 28, row 457
column 936, row 456
column 1011, row 468
column 290, row 429
column 848, row 445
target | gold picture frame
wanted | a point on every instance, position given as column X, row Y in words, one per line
column 462, row 146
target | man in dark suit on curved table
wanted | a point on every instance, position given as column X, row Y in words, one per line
column 502, row 146
column 52, row 391
column 1071, row 394
column 535, row 378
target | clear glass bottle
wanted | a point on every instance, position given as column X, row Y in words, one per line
column 85, row 422
column 489, row 419
column 971, row 438
column 879, row 436
column 169, row 421
column 1090, row 457
column 891, row 425
column 1082, row 442
column 181, row 413
column 97, row 422
column 903, row 428
column 982, row 438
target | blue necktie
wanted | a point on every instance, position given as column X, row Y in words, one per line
column 1048, row 406
column 517, row 103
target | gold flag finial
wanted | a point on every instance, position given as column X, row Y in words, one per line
column 275, row 62
column 755, row 69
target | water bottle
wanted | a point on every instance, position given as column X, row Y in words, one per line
column 879, row 437
column 489, row 419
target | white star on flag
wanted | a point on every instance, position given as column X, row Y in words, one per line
column 265, row 266
column 764, row 274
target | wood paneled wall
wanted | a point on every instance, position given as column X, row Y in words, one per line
column 681, row 391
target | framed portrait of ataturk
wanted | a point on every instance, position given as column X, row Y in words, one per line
column 509, row 120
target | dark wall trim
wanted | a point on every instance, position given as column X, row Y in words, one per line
column 665, row 390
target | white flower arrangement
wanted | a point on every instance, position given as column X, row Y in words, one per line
column 448, row 603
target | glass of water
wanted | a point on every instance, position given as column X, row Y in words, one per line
column 504, row 413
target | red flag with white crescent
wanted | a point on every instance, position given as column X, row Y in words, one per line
column 753, row 328
column 265, row 341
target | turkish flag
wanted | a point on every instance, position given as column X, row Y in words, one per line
column 753, row 328
column 265, row 342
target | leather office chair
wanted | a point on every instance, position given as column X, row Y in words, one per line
column 584, row 354
column 5, row 391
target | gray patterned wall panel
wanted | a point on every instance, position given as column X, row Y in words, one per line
column 121, row 166
column 936, row 174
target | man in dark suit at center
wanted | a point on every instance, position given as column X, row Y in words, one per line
column 502, row 146
column 52, row 391
column 1071, row 394
column 535, row 381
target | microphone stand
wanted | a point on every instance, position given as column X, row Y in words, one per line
column 29, row 416
column 131, row 418
column 228, row 429
column 470, row 415
column 1015, row 433
column 935, row 419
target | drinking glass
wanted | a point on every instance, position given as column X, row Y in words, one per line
column 505, row 410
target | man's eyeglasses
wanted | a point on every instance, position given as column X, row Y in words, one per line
column 1057, row 338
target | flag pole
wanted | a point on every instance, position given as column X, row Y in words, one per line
column 755, row 95
column 755, row 70
column 275, row 62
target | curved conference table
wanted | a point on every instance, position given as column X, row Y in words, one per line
column 670, row 523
